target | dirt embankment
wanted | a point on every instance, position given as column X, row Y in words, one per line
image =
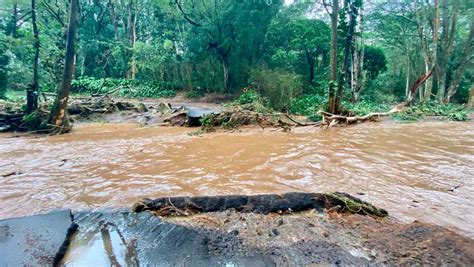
column 336, row 239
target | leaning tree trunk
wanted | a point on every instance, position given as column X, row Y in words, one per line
column 58, row 116
column 32, row 90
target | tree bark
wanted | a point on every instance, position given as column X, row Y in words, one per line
column 332, row 85
column 134, row 41
column 113, row 17
column 448, row 24
column 348, row 45
column 359, row 77
column 311, row 64
column 58, row 116
column 465, row 60
column 32, row 90
column 429, row 58
column 14, row 20
column 470, row 102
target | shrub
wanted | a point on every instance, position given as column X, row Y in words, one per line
column 365, row 107
column 127, row 88
column 248, row 97
column 250, row 100
column 277, row 86
column 452, row 112
column 36, row 121
column 308, row 105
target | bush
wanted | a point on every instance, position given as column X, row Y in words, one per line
column 4, row 59
column 452, row 112
column 249, row 97
column 250, row 100
column 36, row 121
column 127, row 88
column 365, row 107
column 308, row 105
column 195, row 93
column 277, row 86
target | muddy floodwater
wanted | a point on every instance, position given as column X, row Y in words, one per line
column 422, row 171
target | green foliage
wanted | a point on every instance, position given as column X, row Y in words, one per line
column 374, row 61
column 250, row 100
column 195, row 93
column 128, row 88
column 277, row 86
column 308, row 105
column 248, row 97
column 452, row 112
column 365, row 107
column 4, row 59
column 299, row 44
column 36, row 121
column 209, row 122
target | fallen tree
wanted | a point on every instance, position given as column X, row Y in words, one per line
column 269, row 203
column 12, row 118
column 330, row 119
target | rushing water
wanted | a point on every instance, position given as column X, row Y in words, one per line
column 406, row 168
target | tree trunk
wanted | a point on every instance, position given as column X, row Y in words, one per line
column 449, row 23
column 58, row 116
column 14, row 20
column 134, row 41
column 466, row 58
column 113, row 17
column 359, row 77
column 225, row 69
column 332, row 92
column 470, row 102
column 428, row 87
column 311, row 64
column 407, row 85
column 347, row 54
column 430, row 60
column 32, row 90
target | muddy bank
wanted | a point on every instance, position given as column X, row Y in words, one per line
column 123, row 238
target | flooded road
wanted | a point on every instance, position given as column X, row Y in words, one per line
column 408, row 169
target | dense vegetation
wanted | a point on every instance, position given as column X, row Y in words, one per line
column 341, row 55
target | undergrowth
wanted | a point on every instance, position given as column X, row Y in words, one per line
column 451, row 112
column 308, row 105
column 125, row 87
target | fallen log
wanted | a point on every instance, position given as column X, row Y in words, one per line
column 330, row 119
column 270, row 203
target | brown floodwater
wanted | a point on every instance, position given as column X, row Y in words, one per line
column 408, row 169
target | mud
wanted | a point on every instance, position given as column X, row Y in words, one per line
column 314, row 237
column 311, row 238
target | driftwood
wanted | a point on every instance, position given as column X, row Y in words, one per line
column 12, row 118
column 271, row 203
column 11, row 121
column 330, row 119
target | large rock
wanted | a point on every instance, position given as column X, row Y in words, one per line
column 39, row 240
